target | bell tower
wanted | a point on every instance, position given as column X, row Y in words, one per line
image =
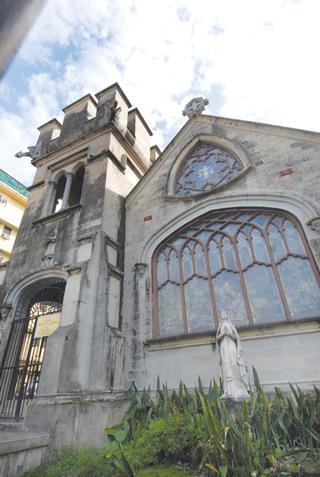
column 62, row 345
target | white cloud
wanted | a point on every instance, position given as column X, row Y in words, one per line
column 42, row 100
column 15, row 135
column 254, row 60
column 4, row 91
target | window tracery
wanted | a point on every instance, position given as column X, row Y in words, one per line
column 253, row 264
column 207, row 167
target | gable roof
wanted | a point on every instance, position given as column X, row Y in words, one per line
column 265, row 128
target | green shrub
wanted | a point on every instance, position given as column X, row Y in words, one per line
column 162, row 440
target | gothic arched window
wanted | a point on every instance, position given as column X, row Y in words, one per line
column 206, row 168
column 253, row 264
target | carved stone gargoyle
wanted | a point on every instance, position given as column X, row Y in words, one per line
column 109, row 111
column 33, row 152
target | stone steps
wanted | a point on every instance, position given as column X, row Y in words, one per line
column 20, row 450
column 12, row 426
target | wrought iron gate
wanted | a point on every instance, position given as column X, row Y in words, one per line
column 22, row 362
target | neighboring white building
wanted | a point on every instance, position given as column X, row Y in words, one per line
column 126, row 260
column 13, row 199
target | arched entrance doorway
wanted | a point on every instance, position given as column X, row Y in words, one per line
column 37, row 315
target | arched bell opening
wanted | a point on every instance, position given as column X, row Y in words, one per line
column 76, row 187
column 60, row 186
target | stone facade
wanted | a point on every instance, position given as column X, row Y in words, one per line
column 280, row 166
column 102, row 247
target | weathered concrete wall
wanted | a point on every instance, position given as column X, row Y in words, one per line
column 75, row 419
column 282, row 174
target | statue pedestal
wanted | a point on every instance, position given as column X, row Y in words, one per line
column 233, row 403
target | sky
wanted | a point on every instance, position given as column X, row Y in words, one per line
column 254, row 60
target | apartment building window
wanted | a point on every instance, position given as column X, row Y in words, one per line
column 6, row 232
column 3, row 200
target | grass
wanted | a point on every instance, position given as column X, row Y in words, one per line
column 85, row 462
column 74, row 462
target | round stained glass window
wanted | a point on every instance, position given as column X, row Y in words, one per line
column 206, row 168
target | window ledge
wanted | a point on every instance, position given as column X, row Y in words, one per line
column 61, row 213
column 263, row 331
column 180, row 341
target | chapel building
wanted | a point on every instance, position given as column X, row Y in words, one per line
column 127, row 257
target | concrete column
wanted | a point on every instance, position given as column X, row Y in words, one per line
column 49, row 198
column 67, row 189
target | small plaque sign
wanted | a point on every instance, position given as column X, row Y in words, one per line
column 47, row 324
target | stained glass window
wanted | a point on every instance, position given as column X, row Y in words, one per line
column 253, row 264
column 206, row 168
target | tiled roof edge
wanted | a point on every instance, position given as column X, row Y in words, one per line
column 13, row 183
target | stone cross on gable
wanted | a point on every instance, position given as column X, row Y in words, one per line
column 195, row 107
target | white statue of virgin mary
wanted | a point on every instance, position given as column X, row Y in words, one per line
column 234, row 372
